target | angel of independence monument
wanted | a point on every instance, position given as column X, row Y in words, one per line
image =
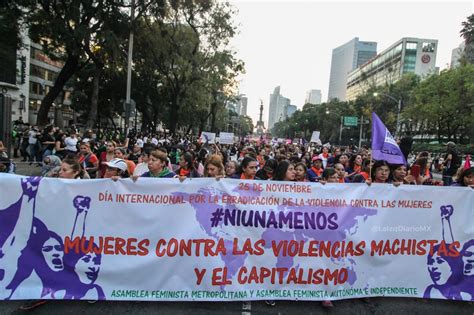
column 260, row 124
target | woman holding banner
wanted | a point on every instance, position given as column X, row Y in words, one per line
column 248, row 169
column 300, row 172
column 285, row 171
column 213, row 167
column 157, row 166
column 186, row 166
column 380, row 172
column 466, row 178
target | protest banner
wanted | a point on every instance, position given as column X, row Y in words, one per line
column 315, row 136
column 208, row 137
column 226, row 137
column 227, row 240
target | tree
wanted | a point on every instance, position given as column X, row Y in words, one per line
column 467, row 33
column 184, row 52
column 10, row 30
column 442, row 104
column 65, row 29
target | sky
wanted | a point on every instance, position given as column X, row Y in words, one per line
column 289, row 43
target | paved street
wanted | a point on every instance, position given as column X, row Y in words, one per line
column 372, row 306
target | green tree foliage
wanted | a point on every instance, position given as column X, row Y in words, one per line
column 444, row 105
column 467, row 33
column 10, row 30
column 69, row 31
column 441, row 106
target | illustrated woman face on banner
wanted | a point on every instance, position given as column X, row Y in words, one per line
column 468, row 259
column 53, row 253
column 439, row 269
column 444, row 269
column 87, row 268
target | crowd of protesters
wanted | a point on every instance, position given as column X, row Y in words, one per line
column 108, row 155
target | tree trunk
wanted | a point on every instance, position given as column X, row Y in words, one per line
column 65, row 74
column 113, row 123
column 173, row 119
column 92, row 116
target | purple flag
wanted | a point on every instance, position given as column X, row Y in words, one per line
column 384, row 147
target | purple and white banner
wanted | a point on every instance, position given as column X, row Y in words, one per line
column 208, row 240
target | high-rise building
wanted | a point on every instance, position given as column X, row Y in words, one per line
column 313, row 97
column 290, row 110
column 456, row 54
column 243, row 104
column 278, row 107
column 408, row 55
column 346, row 58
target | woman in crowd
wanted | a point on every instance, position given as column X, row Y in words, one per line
column 60, row 146
column 363, row 176
column 116, row 168
column 330, row 175
column 231, row 168
column 120, row 153
column 51, row 166
column 106, row 156
column 71, row 169
column 399, row 175
column 248, row 169
column 300, row 172
column 157, row 166
column 213, row 167
column 142, row 166
column 355, row 165
column 344, row 159
column 71, row 143
column 341, row 173
column 380, row 172
column 285, row 171
column 187, row 167
column 315, row 172
column 89, row 160
column 425, row 177
column 324, row 156
column 268, row 170
column 466, row 178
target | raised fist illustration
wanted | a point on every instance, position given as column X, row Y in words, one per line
column 446, row 211
column 82, row 203
column 30, row 186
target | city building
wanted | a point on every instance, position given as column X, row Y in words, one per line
column 346, row 58
column 278, row 108
column 290, row 110
column 408, row 55
column 43, row 73
column 456, row 54
column 27, row 81
column 243, row 105
column 313, row 97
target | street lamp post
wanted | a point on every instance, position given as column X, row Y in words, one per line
column 399, row 102
column 129, row 65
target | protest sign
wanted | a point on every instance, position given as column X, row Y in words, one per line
column 315, row 136
column 208, row 137
column 227, row 240
column 226, row 137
